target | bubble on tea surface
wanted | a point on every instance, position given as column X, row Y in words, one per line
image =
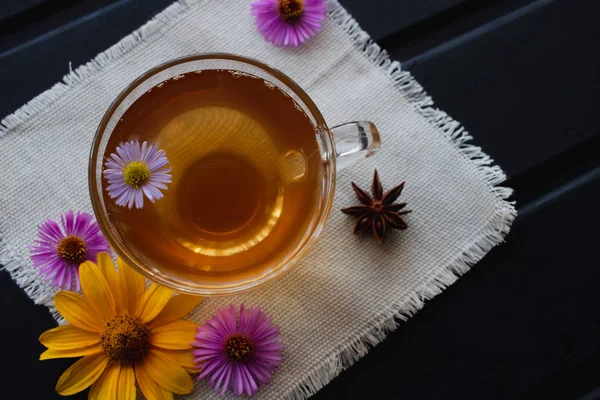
column 292, row 166
column 239, row 74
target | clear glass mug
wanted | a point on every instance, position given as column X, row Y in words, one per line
column 339, row 146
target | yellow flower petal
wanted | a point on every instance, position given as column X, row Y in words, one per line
column 68, row 337
column 71, row 353
column 126, row 384
column 78, row 311
column 101, row 388
column 185, row 358
column 178, row 307
column 81, row 375
column 109, row 271
column 96, row 290
column 150, row 389
column 167, row 373
column 132, row 286
column 152, row 302
column 116, row 383
column 177, row 335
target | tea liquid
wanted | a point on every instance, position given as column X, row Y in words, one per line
column 246, row 171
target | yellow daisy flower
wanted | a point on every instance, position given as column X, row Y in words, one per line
column 125, row 333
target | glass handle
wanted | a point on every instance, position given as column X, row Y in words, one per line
column 354, row 141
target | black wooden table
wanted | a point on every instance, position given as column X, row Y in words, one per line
column 523, row 77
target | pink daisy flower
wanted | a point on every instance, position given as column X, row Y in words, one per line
column 237, row 350
column 137, row 171
column 288, row 22
column 59, row 250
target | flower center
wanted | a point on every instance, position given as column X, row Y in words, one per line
column 291, row 10
column 72, row 249
column 238, row 348
column 136, row 173
column 125, row 339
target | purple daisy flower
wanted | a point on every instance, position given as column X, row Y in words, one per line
column 137, row 171
column 288, row 22
column 57, row 252
column 237, row 350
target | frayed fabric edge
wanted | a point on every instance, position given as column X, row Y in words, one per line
column 156, row 25
column 490, row 235
column 23, row 274
column 373, row 333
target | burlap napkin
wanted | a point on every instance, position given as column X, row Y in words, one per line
column 349, row 291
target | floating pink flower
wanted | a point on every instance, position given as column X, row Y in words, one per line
column 237, row 350
column 137, row 171
column 288, row 22
column 57, row 252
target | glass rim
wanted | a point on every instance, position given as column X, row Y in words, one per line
column 163, row 278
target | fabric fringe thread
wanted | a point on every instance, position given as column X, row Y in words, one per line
column 157, row 24
column 388, row 320
column 23, row 274
column 27, row 278
column 490, row 236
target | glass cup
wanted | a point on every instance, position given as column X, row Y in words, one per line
column 339, row 147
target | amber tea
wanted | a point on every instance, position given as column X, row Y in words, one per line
column 246, row 170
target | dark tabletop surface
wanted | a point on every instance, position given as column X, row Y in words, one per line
column 523, row 77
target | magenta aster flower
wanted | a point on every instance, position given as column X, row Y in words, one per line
column 137, row 171
column 288, row 22
column 237, row 350
column 57, row 252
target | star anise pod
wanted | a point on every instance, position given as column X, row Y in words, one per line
column 378, row 212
